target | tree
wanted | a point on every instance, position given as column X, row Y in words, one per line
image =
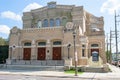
column 3, row 41
column 108, row 56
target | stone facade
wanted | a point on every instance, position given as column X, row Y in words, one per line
column 48, row 31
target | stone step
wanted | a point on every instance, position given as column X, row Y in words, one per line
column 94, row 69
column 41, row 63
column 33, row 67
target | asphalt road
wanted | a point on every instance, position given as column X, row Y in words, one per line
column 29, row 77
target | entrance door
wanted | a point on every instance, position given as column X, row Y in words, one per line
column 56, row 53
column 41, row 53
column 27, row 54
column 95, row 54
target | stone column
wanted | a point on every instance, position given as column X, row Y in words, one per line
column 48, row 50
column 33, row 51
column 10, row 52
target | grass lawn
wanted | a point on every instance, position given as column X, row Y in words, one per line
column 72, row 72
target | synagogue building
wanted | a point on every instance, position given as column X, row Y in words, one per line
column 58, row 35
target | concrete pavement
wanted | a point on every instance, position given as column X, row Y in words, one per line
column 114, row 69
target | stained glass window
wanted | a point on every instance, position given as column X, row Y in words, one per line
column 51, row 22
column 45, row 23
column 57, row 22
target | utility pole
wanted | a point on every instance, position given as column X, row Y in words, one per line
column 116, row 35
column 107, row 48
column 110, row 55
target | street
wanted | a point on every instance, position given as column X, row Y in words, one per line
column 34, row 77
column 27, row 77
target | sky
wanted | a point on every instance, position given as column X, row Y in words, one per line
column 11, row 11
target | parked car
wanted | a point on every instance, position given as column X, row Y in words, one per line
column 114, row 63
column 118, row 63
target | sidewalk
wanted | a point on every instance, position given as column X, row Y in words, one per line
column 46, row 73
column 114, row 69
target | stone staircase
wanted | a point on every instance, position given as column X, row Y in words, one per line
column 46, row 65
column 33, row 67
column 40, row 63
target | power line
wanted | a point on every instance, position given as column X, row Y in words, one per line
column 116, row 41
column 110, row 56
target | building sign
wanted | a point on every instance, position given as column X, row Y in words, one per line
column 95, row 56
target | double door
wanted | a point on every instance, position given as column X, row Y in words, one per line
column 56, row 53
column 41, row 54
column 27, row 54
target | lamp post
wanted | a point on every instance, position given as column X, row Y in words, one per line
column 10, row 54
column 68, row 46
column 75, row 53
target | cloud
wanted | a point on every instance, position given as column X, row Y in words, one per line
column 16, row 17
column 11, row 15
column 31, row 6
column 4, row 29
column 110, row 6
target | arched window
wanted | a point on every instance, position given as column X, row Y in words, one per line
column 94, row 28
column 45, row 23
column 57, row 22
column 27, row 44
column 57, row 43
column 94, row 45
column 51, row 22
column 64, row 21
column 41, row 43
column 39, row 24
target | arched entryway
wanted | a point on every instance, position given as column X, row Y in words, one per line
column 95, row 52
column 95, row 59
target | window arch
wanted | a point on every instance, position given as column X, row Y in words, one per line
column 51, row 22
column 39, row 24
column 64, row 21
column 45, row 23
column 58, row 22
column 95, row 29
column 27, row 44
column 94, row 45
column 57, row 43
